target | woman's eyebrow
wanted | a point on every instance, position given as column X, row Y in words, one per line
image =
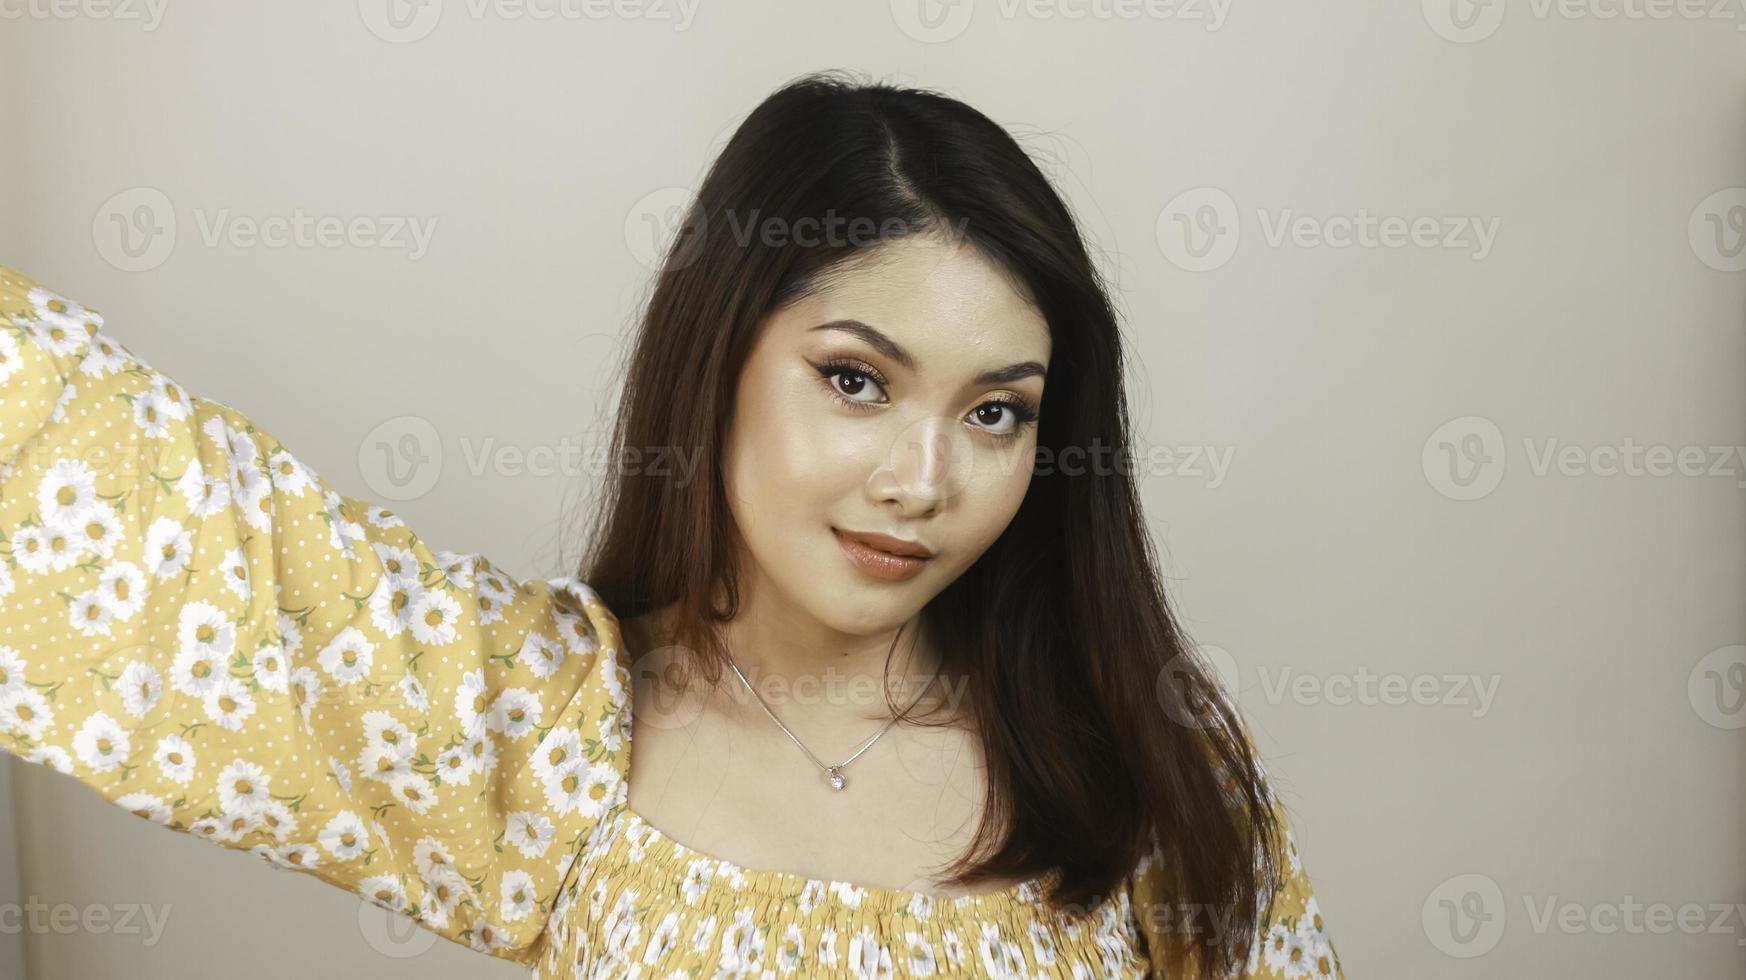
column 892, row 349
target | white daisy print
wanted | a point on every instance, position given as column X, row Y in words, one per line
column 412, row 692
column 242, row 786
column 96, row 530
column 11, row 670
column 472, row 702
column 253, row 494
column 147, row 805
column 435, row 618
column 53, row 756
column 454, row 767
column 541, row 654
column 67, row 490
column 207, row 637
column 91, row 614
column 529, row 832
column 176, row 403
column 392, row 602
column 559, row 751
column 413, row 791
column 429, row 856
column 196, row 672
column 294, row 857
column 494, row 596
column 235, row 571
column 290, row 477
column 102, row 357
column 34, row 549
column 386, row 891
column 389, row 734
column 50, row 548
column 272, row 670
column 577, row 633
column 123, row 587
column 515, row 712
column 343, row 532
column 347, row 659
column 457, row 567
column 175, row 758
column 229, row 703
column 205, row 495
column 141, row 686
column 344, row 836
column 168, row 546
column 305, row 692
column 277, row 820
column 101, row 743
column 483, row 751
column 382, row 517
column 26, row 712
column 517, row 889
column 398, row 561
column 152, row 414
column 65, row 326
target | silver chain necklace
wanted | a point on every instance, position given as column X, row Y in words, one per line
column 837, row 779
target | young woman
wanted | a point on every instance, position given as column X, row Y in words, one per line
column 897, row 380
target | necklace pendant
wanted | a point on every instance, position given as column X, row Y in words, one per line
column 838, row 781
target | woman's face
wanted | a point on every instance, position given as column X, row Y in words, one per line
column 899, row 399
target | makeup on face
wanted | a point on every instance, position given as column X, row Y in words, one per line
column 881, row 556
column 891, row 409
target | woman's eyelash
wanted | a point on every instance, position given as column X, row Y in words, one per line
column 1023, row 411
column 836, row 366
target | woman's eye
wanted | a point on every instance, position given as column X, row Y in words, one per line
column 859, row 388
column 851, row 382
column 989, row 414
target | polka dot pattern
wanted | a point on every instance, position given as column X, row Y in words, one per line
column 203, row 630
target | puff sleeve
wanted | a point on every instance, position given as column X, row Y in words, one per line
column 1292, row 942
column 204, row 631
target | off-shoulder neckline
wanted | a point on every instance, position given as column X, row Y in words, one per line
column 793, row 884
column 1029, row 892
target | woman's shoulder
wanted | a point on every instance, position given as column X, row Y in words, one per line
column 23, row 295
column 14, row 285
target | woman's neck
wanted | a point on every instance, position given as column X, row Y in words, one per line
column 811, row 674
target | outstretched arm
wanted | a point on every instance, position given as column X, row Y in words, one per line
column 199, row 627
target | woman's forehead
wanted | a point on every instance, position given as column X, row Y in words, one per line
column 930, row 296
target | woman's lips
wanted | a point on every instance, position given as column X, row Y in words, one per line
column 880, row 564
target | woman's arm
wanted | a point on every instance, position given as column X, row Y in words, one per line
column 199, row 627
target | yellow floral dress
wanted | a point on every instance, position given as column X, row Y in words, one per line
column 204, row 631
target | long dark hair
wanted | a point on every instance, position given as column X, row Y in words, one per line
column 1104, row 734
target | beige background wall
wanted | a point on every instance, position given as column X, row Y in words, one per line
column 1383, row 525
